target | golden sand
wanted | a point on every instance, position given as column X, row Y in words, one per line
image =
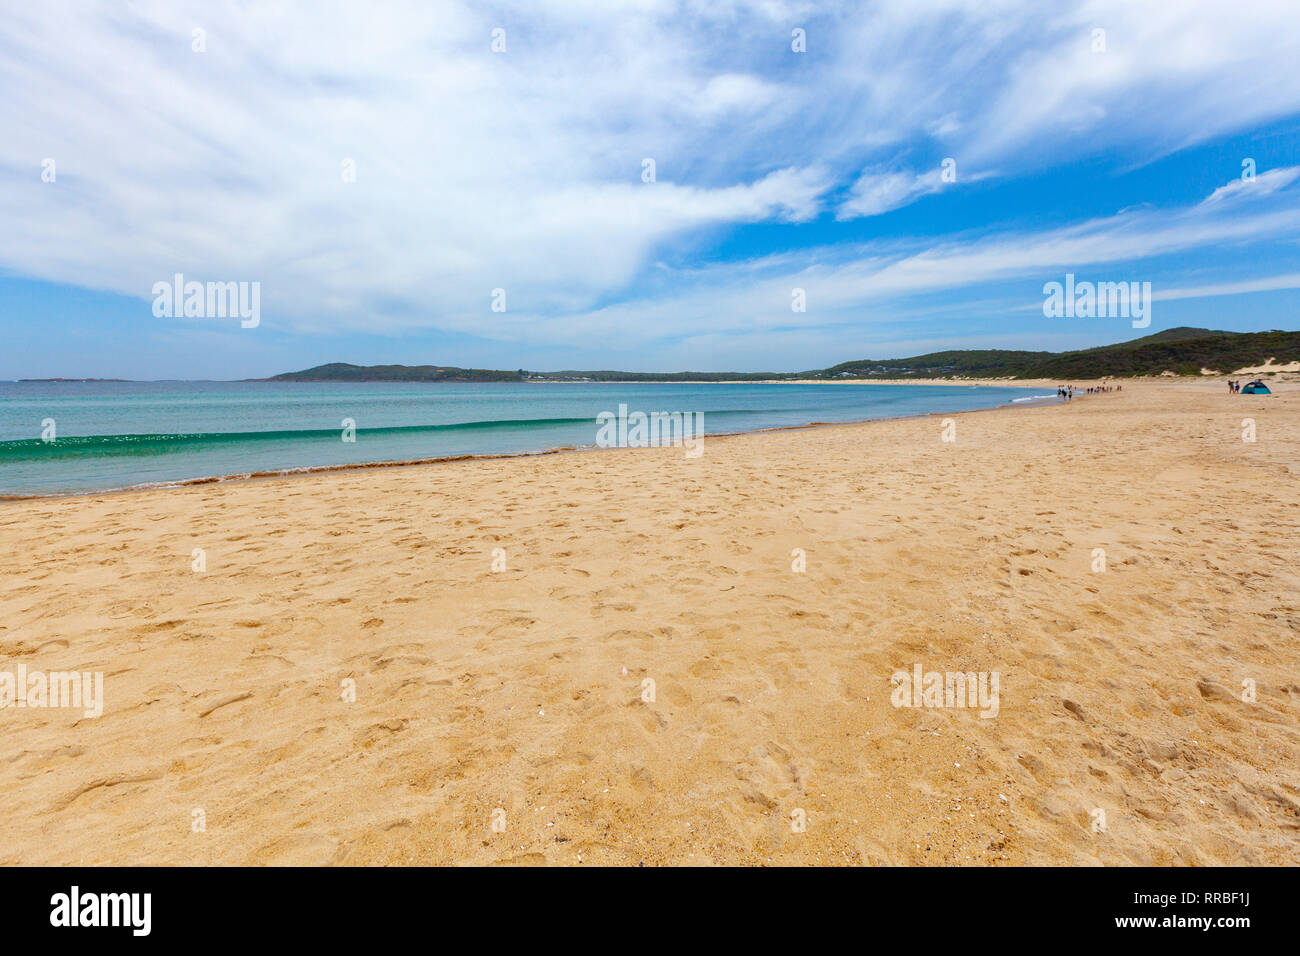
column 524, row 690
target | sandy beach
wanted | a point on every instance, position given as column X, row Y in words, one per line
column 646, row 676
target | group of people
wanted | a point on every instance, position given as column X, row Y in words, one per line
column 1233, row 387
column 1066, row 392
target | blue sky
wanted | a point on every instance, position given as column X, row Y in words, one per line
column 211, row 139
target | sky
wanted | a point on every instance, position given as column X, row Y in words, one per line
column 587, row 184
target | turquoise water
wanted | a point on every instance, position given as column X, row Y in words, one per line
column 119, row 434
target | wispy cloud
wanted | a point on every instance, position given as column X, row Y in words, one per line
column 847, row 285
column 876, row 193
column 1254, row 186
column 1290, row 280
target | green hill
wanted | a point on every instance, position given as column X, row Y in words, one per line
column 1183, row 351
column 343, row 372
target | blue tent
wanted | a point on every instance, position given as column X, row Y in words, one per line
column 1256, row 388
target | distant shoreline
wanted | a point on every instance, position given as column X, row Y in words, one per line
column 1290, row 370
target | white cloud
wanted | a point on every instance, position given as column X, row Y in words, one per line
column 1263, row 184
column 523, row 170
column 875, row 283
column 735, row 92
column 876, row 193
column 1267, row 284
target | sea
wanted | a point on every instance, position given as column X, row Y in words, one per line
column 70, row 437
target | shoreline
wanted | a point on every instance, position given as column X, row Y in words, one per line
column 305, row 470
